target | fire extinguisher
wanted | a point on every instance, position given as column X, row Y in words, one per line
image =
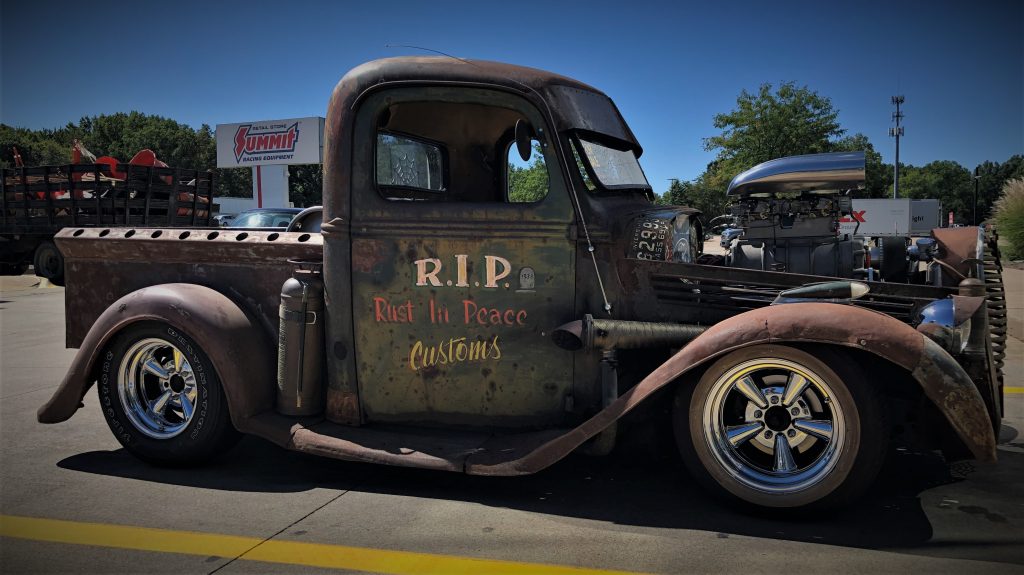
column 301, row 339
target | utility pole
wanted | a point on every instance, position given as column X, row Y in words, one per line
column 896, row 132
column 974, row 204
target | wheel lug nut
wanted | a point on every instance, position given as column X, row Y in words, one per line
column 795, row 411
column 758, row 413
column 767, row 435
column 775, row 399
column 791, row 433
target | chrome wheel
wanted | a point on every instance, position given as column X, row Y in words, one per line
column 774, row 425
column 157, row 388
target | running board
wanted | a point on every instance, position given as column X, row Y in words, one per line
column 472, row 452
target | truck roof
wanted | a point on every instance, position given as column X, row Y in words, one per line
column 573, row 104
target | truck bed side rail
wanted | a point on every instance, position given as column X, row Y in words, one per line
column 45, row 199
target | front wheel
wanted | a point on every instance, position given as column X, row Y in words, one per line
column 775, row 426
column 162, row 398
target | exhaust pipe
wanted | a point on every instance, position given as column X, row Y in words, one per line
column 590, row 333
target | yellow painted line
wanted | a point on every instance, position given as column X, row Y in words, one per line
column 1009, row 389
column 256, row 549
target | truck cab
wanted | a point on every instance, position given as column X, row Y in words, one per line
column 493, row 288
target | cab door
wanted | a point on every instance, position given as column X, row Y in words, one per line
column 462, row 261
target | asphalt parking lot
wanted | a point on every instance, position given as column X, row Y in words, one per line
column 72, row 500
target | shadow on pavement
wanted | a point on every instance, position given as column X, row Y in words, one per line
column 635, row 487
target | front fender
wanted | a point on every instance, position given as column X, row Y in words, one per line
column 941, row 378
column 238, row 347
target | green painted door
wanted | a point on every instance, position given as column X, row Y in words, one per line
column 462, row 261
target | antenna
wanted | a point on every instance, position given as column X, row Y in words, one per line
column 896, row 132
column 429, row 50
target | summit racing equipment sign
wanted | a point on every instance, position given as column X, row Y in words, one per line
column 265, row 144
column 294, row 141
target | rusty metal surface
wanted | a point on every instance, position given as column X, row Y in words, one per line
column 951, row 390
column 957, row 245
column 384, row 306
column 396, row 445
column 611, row 334
column 452, row 301
column 562, row 103
column 215, row 322
column 103, row 264
column 942, row 379
column 671, row 291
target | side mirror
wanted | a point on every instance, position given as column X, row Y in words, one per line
column 524, row 134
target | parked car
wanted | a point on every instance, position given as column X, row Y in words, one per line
column 224, row 220
column 276, row 218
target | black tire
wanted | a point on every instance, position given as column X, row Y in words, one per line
column 207, row 432
column 49, row 263
column 846, row 463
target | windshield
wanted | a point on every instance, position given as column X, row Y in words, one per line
column 262, row 220
column 614, row 168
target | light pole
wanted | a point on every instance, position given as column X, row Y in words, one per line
column 896, row 132
column 974, row 204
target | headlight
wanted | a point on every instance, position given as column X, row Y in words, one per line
column 685, row 240
column 937, row 320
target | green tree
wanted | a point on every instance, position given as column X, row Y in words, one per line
column 992, row 176
column 701, row 194
column 35, row 147
column 944, row 180
column 773, row 123
column 877, row 175
column 306, row 185
column 768, row 124
column 121, row 136
column 676, row 194
column 528, row 183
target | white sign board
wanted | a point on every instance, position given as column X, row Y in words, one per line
column 873, row 217
column 294, row 141
column 925, row 215
column 887, row 217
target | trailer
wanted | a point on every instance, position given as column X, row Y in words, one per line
column 37, row 202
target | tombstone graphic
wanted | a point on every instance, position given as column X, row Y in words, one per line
column 527, row 279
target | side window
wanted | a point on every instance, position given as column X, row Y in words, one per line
column 403, row 162
column 583, row 169
column 527, row 181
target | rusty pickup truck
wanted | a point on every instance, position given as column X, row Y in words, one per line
column 490, row 287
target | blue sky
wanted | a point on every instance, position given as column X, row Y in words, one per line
column 669, row 66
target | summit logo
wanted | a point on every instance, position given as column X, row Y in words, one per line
column 262, row 142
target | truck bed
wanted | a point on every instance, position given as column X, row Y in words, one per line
column 248, row 266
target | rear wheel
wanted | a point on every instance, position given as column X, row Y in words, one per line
column 49, row 263
column 775, row 426
column 161, row 396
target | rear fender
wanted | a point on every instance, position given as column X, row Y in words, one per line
column 241, row 351
column 941, row 378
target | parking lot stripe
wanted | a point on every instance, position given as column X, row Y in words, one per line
column 256, row 549
column 1011, row 389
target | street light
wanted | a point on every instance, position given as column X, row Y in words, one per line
column 974, row 204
